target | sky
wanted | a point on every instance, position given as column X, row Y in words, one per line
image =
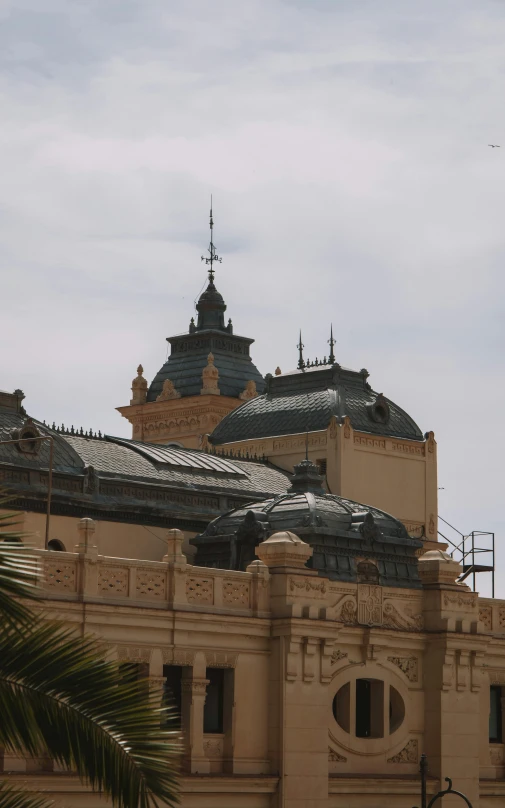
column 346, row 148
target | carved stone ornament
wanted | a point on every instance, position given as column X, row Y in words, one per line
column 347, row 613
column 210, row 377
column 395, row 618
column 308, row 586
column 496, row 756
column 337, row 656
column 178, row 656
column 131, row 653
column 26, row 438
column 409, row 753
column 216, row 659
column 408, row 665
column 90, row 480
column 431, row 525
column 139, row 388
column 168, row 391
column 486, row 617
column 334, row 757
column 347, row 427
column 370, row 605
column 249, row 391
column 460, row 599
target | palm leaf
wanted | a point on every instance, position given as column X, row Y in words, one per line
column 61, row 698
column 17, row 798
column 18, row 569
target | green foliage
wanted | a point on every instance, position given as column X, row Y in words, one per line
column 14, row 798
column 60, row 698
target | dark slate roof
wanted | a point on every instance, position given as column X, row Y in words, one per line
column 189, row 353
column 305, row 400
column 120, row 458
column 341, row 532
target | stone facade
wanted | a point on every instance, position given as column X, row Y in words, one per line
column 330, row 691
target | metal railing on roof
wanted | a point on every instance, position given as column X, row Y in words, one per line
column 475, row 552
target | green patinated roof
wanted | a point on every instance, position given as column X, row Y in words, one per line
column 305, row 400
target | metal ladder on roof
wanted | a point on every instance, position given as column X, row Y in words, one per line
column 475, row 552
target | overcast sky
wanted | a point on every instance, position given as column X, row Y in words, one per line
column 346, row 146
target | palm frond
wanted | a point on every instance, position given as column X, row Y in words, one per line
column 19, row 798
column 60, row 697
column 18, row 569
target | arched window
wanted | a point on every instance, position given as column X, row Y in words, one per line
column 56, row 544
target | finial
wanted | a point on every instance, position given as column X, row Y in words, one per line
column 213, row 256
column 331, row 343
column 140, row 370
column 300, row 346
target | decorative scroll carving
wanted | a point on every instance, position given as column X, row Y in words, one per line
column 61, row 577
column 113, row 580
column 151, row 584
column 486, row 617
column 334, row 756
column 460, row 599
column 315, row 588
column 216, row 659
column 408, row 665
column 409, row 753
column 394, row 618
column 337, row 656
column 370, row 605
column 132, row 653
column 200, row 589
column 348, row 612
column 236, row 593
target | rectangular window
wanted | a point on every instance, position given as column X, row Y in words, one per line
column 495, row 715
column 369, row 708
column 213, row 711
column 172, row 690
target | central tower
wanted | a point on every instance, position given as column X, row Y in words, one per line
column 208, row 374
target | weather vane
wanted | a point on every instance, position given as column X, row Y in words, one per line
column 213, row 256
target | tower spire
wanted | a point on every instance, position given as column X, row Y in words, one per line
column 300, row 346
column 331, row 343
column 213, row 256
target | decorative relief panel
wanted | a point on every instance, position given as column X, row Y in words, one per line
column 61, row 577
column 501, row 616
column 299, row 443
column 217, row 659
column 407, row 448
column 151, row 584
column 113, row 580
column 347, row 610
column 132, row 653
column 236, row 593
column 374, row 443
column 200, row 589
column 315, row 588
column 337, row 656
column 178, row 656
column 460, row 599
column 409, row 753
column 370, row 605
column 486, row 617
column 408, row 665
column 404, row 619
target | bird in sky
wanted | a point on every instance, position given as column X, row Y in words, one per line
column 494, row 146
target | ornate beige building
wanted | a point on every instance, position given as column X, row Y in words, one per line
column 314, row 645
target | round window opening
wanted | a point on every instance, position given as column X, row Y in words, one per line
column 363, row 709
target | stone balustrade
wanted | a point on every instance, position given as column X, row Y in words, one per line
column 153, row 584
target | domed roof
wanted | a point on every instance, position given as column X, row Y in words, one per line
column 190, row 351
column 305, row 400
column 342, row 533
